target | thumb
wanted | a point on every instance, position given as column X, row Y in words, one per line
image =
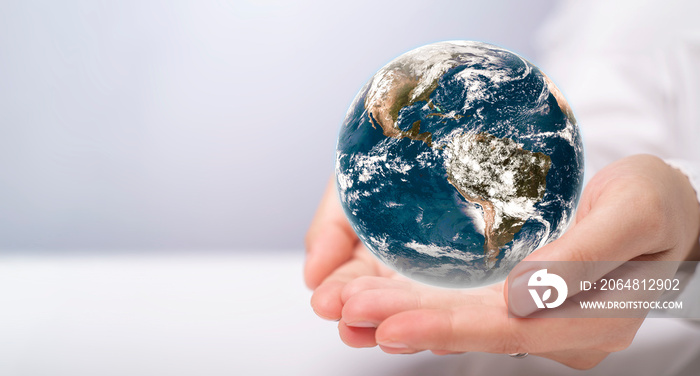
column 330, row 240
column 611, row 231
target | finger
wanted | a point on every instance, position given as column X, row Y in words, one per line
column 608, row 232
column 330, row 239
column 326, row 300
column 392, row 281
column 488, row 329
column 370, row 307
column 365, row 283
column 356, row 337
column 441, row 329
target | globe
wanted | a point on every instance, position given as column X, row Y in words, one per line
column 456, row 160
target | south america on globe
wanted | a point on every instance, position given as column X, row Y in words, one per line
column 456, row 160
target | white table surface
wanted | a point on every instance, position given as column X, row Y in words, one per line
column 217, row 313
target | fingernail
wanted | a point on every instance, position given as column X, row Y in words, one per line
column 394, row 345
column 362, row 324
column 326, row 317
column 520, row 301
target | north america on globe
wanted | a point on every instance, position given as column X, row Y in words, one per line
column 456, row 160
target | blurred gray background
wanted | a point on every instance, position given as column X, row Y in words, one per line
column 131, row 125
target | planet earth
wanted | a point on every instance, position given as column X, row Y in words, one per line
column 456, row 160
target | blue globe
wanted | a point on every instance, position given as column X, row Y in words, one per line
column 456, row 160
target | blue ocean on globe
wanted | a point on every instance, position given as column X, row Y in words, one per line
column 457, row 160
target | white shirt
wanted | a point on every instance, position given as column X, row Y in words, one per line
column 630, row 70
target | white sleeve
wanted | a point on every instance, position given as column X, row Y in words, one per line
column 634, row 85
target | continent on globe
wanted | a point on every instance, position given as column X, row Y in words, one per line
column 403, row 85
column 456, row 160
column 505, row 180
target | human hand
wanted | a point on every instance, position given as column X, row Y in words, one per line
column 335, row 256
column 330, row 241
column 638, row 208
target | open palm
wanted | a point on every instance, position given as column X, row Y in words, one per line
column 637, row 208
